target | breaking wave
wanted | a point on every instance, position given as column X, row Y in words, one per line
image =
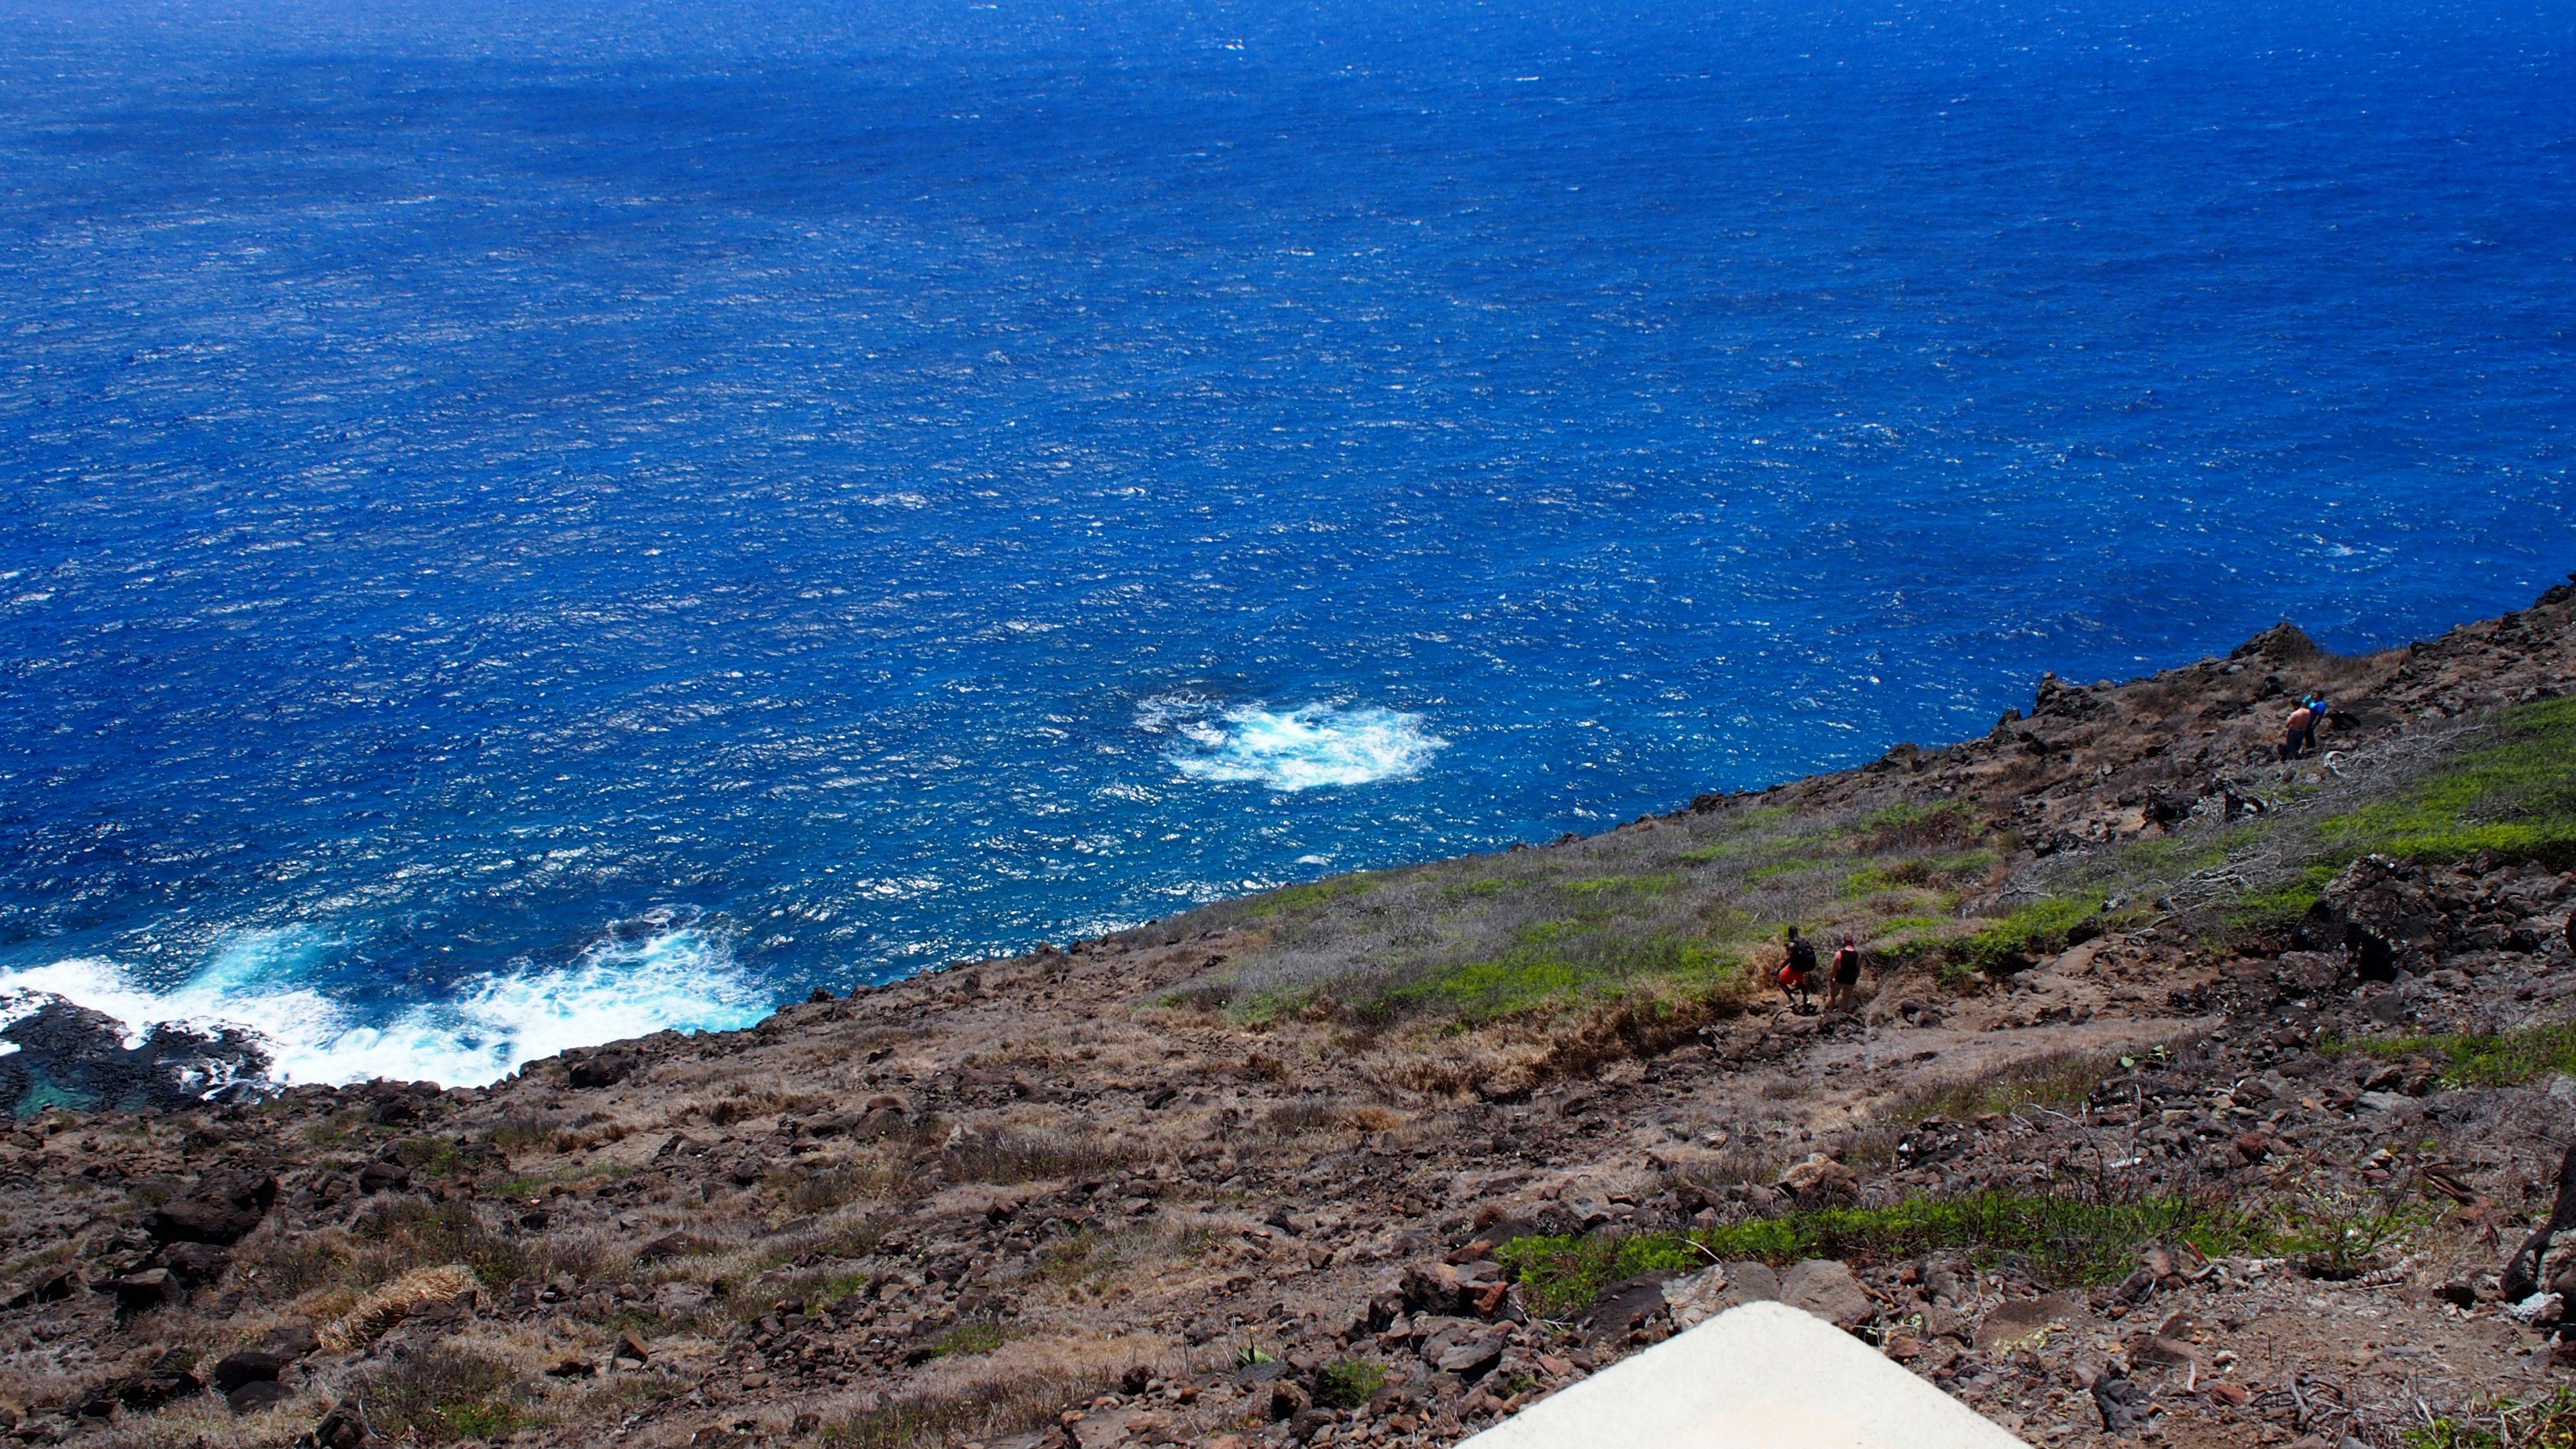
column 1298, row 749
column 676, row 977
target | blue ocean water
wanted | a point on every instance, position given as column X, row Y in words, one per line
column 532, row 523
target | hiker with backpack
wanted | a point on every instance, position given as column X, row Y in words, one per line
column 1800, row 965
column 2317, row 707
column 1842, row 988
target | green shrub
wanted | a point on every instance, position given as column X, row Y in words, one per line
column 1347, row 1383
column 2011, row 943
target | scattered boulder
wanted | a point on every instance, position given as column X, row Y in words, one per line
column 1820, row 1182
column 1750, row 1282
column 1625, row 1307
column 222, row 1210
column 2022, row 1317
column 165, row 1382
column 378, row 1177
column 248, row 1366
column 345, row 1427
column 202, row 1220
column 194, row 1263
column 145, row 1290
column 1826, row 1288
column 2122, row 1402
column 258, row 1395
column 669, row 1245
column 604, row 1067
column 1697, row 1298
column 53, row 1285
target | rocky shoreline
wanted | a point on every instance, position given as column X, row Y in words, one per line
column 2242, row 1173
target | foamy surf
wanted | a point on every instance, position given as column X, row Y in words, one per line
column 1298, row 749
column 677, row 978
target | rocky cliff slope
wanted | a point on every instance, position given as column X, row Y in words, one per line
column 2187, row 1095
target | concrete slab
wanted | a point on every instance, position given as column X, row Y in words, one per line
column 1763, row 1376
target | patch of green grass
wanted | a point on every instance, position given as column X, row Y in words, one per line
column 1308, row 897
column 1563, row 967
column 2034, row 930
column 1540, row 933
column 1902, row 813
column 1073, row 1259
column 1914, row 872
column 2482, row 1059
column 1778, row 868
column 2165, row 855
column 1260, row 1009
column 2283, row 903
column 2064, row 1240
column 1716, row 851
column 2516, row 797
column 1644, row 884
column 1347, row 1383
column 971, row 1338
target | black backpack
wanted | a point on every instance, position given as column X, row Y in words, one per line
column 1802, row 957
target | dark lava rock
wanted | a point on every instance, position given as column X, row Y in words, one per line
column 345, row 1427
column 248, row 1366
column 81, row 1056
column 258, row 1394
column 194, row 1263
column 378, row 1177
column 604, row 1068
column 161, row 1384
column 149, row 1289
column 223, row 1209
column 51, row 1286
column 197, row 1220
column 1624, row 1307
column 2122, row 1402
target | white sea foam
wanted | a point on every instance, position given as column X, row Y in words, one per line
column 679, row 978
column 1301, row 748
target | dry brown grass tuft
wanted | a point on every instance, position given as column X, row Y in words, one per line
column 1020, row 1387
column 1025, row 1155
column 392, row 1302
column 206, row 1424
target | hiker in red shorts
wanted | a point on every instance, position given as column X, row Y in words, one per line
column 1795, row 971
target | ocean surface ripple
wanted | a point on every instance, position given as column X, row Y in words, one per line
column 529, row 524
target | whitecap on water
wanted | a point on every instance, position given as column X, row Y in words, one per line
column 678, row 978
column 1302, row 748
